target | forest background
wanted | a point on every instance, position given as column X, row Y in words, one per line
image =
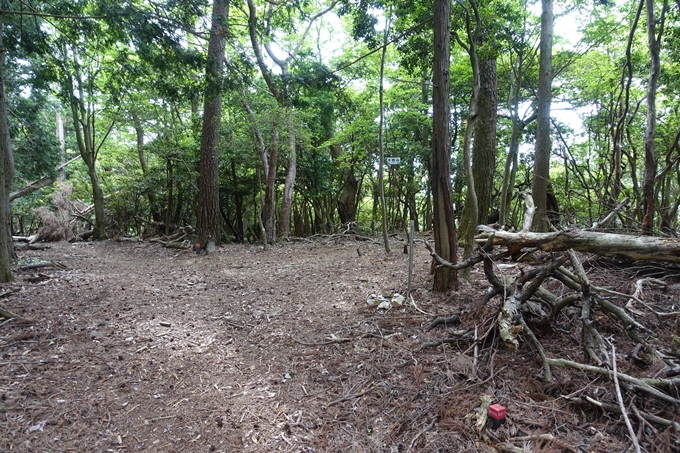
column 293, row 116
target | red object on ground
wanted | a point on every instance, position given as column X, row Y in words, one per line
column 497, row 414
column 496, row 411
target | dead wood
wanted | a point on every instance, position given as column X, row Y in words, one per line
column 28, row 246
column 604, row 222
column 615, row 409
column 8, row 314
column 607, row 244
column 645, row 384
column 39, row 184
column 443, row 320
column 41, row 265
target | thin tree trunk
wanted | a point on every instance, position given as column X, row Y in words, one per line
column 144, row 164
column 61, row 175
column 381, row 165
column 654, row 43
column 6, row 173
column 470, row 218
column 208, row 216
column 623, row 107
column 541, row 175
column 510, row 171
column 270, row 187
column 291, row 172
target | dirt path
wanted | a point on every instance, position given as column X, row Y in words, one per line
column 137, row 348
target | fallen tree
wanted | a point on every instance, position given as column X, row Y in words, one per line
column 39, row 184
column 607, row 244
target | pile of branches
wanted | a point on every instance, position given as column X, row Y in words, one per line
column 56, row 223
column 527, row 305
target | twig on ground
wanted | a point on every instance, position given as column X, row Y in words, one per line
column 430, row 425
column 351, row 397
column 615, row 378
column 331, row 340
column 413, row 302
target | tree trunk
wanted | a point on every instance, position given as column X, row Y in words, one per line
column 169, row 187
column 144, row 164
column 291, row 172
column 84, row 126
column 349, row 184
column 650, row 130
column 484, row 148
column 444, row 229
column 470, row 217
column 381, row 164
column 6, row 173
column 208, row 216
column 539, row 188
column 269, row 209
column 238, row 204
column 61, row 175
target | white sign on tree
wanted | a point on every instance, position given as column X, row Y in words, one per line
column 393, row 160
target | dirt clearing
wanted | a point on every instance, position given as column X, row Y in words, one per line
column 138, row 348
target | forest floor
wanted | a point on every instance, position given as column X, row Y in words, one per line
column 138, row 348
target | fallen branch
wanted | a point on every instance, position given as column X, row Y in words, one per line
column 8, row 314
column 617, row 410
column 442, row 320
column 640, row 383
column 436, row 343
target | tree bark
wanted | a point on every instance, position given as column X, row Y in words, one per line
column 6, row 173
column 444, row 230
column 208, row 224
column 541, row 175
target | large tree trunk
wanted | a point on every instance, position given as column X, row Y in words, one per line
column 444, row 230
column 542, row 155
column 484, row 148
column 208, row 224
column 6, row 172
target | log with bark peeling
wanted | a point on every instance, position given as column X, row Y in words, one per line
column 608, row 244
